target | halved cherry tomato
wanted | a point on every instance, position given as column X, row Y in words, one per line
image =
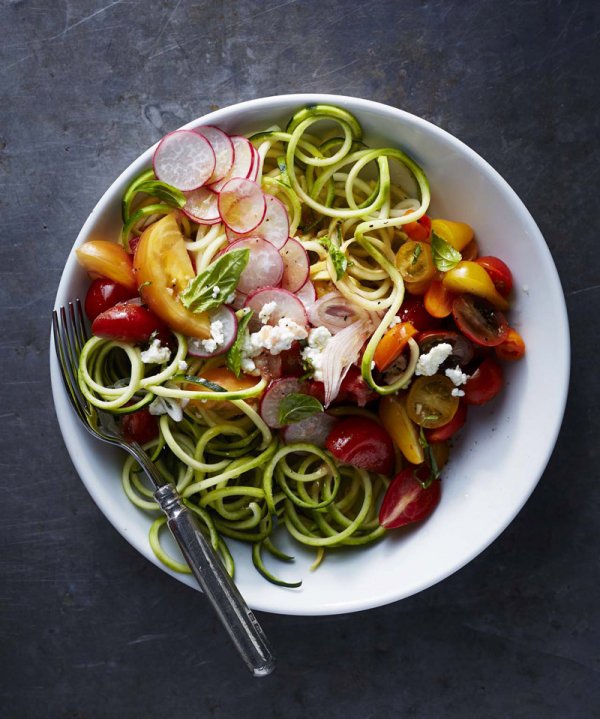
column 419, row 230
column 163, row 268
column 462, row 349
column 513, row 347
column 127, row 323
column 415, row 263
column 140, row 426
column 479, row 320
column 392, row 344
column 355, row 389
column 443, row 433
column 485, row 383
column 457, row 234
column 404, row 432
column 104, row 294
column 406, row 501
column 430, row 403
column 499, row 273
column 363, row 443
column 472, row 278
column 438, row 300
column 413, row 311
column 107, row 259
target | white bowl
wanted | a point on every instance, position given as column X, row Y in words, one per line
column 504, row 447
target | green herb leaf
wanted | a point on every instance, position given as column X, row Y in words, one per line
column 338, row 258
column 434, row 472
column 416, row 252
column 296, row 407
column 204, row 382
column 445, row 257
column 167, row 193
column 234, row 355
column 224, row 273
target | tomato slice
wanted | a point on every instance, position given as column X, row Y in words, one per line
column 413, row 311
column 485, row 383
column 363, row 443
column 392, row 344
column 479, row 320
column 443, row 433
column 419, row 230
column 462, row 349
column 406, row 501
column 104, row 294
column 499, row 273
column 127, row 323
column 438, row 300
column 404, row 432
column 107, row 259
column 513, row 347
column 415, row 262
column 430, row 402
column 140, row 426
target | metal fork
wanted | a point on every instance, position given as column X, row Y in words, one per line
column 70, row 335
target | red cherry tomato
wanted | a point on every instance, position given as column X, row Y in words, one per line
column 291, row 361
column 441, row 434
column 127, row 323
column 413, row 311
column 355, row 389
column 420, row 230
column 406, row 501
column 479, row 320
column 462, row 349
column 485, row 383
column 140, row 426
column 513, row 347
column 362, row 443
column 104, row 294
column 316, row 389
column 499, row 272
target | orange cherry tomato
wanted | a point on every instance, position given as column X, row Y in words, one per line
column 438, row 300
column 457, row 234
column 420, row 230
column 472, row 277
column 499, row 272
column 392, row 344
column 107, row 259
column 224, row 378
column 430, row 402
column 415, row 263
column 512, row 348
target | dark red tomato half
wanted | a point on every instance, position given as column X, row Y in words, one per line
column 441, row 434
column 406, row 501
column 128, row 323
column 462, row 349
column 355, row 389
column 104, row 294
column 499, row 272
column 140, row 426
column 413, row 311
column 479, row 320
column 363, row 443
column 485, row 383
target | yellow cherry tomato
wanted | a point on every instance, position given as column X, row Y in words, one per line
column 430, row 403
column 472, row 278
column 415, row 262
column 457, row 234
column 107, row 259
column 404, row 432
column 163, row 268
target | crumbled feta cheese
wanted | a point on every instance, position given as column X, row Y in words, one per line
column 248, row 366
column 276, row 338
column 267, row 310
column 395, row 321
column 168, row 405
column 230, row 298
column 217, row 337
column 216, row 291
column 313, row 354
column 156, row 353
column 182, row 365
column 457, row 392
column 428, row 364
column 457, row 376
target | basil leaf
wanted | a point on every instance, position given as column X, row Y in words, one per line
column 167, row 193
column 205, row 383
column 296, row 407
column 234, row 354
column 445, row 257
column 224, row 273
column 416, row 252
column 338, row 258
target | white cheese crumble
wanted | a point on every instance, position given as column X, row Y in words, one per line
column 457, row 377
column 182, row 365
column 217, row 337
column 457, row 392
column 395, row 321
column 275, row 339
column 168, row 405
column 313, row 353
column 156, row 353
column 230, row 298
column 428, row 364
column 267, row 310
column 216, row 291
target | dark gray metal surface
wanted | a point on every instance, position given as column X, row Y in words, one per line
column 90, row 629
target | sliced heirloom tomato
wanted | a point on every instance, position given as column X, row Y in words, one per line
column 438, row 300
column 226, row 379
column 406, row 500
column 363, row 443
column 485, row 383
column 104, row 294
column 462, row 349
column 430, row 402
column 472, row 278
column 513, row 347
column 448, row 430
column 163, row 268
column 457, row 234
column 413, row 311
column 404, row 432
column 479, row 320
column 414, row 261
column 107, row 259
column 126, row 322
column 392, row 344
column 499, row 273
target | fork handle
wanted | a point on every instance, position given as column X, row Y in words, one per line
column 236, row 616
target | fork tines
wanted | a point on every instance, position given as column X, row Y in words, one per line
column 69, row 337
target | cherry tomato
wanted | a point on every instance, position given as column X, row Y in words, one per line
column 291, row 361
column 462, row 349
column 104, row 294
column 443, row 433
column 438, row 300
column 140, row 426
column 430, row 402
column 513, row 347
column 362, row 443
column 457, row 234
column 472, row 278
column 406, row 501
column 355, row 389
column 479, row 320
column 485, row 383
column 404, row 432
column 392, row 344
column 499, row 272
column 419, row 230
column 225, row 378
column 415, row 262
column 413, row 311
column 127, row 323
column 107, row 259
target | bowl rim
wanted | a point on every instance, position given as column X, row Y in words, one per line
column 562, row 359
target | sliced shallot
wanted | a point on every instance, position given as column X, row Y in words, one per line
column 184, row 159
column 340, row 353
column 335, row 312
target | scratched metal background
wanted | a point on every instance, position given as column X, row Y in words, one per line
column 88, row 628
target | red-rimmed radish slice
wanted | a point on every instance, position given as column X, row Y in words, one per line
column 296, row 265
column 202, row 206
column 286, row 305
column 275, row 225
column 223, row 149
column 255, row 169
column 265, row 267
column 275, row 392
column 243, row 161
column 313, row 430
column 184, row 159
column 222, row 335
column 242, row 205
column 307, row 294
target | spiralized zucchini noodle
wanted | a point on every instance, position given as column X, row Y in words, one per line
column 235, row 472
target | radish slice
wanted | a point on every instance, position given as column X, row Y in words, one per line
column 286, row 305
column 275, row 392
column 255, row 170
column 313, row 430
column 265, row 267
column 223, row 149
column 222, row 336
column 242, row 205
column 184, row 159
column 307, row 294
column 296, row 265
column 243, row 161
column 275, row 225
column 202, row 206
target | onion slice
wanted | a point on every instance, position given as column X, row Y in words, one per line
column 335, row 312
column 340, row 353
